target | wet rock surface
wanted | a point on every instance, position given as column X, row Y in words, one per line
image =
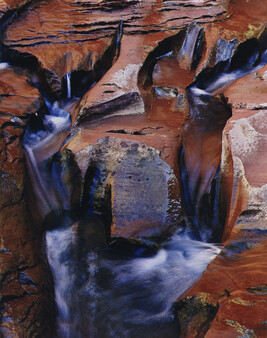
column 168, row 131
column 238, row 301
column 26, row 306
column 239, row 312
column 195, row 315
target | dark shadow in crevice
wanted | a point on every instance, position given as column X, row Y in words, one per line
column 78, row 82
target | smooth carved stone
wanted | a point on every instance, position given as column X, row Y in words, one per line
column 89, row 28
column 126, row 104
column 249, row 143
column 84, row 21
column 18, row 97
column 254, row 212
column 234, row 285
column 246, row 137
column 117, row 91
column 144, row 191
column 247, row 128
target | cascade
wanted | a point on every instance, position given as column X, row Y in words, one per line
column 93, row 283
column 132, row 176
column 97, row 290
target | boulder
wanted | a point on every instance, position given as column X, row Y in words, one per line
column 145, row 198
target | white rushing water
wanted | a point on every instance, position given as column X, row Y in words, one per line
column 68, row 80
column 4, row 65
column 58, row 246
column 42, row 144
column 111, row 296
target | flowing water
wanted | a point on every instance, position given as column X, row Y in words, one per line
column 68, row 77
column 40, row 145
column 104, row 292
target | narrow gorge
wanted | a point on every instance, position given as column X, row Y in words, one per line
column 133, row 168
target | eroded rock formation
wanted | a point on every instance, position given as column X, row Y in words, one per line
column 167, row 132
column 26, row 291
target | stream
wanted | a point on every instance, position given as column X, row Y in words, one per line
column 101, row 291
column 107, row 294
column 94, row 283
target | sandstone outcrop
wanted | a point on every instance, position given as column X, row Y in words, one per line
column 237, row 306
column 230, row 298
column 165, row 133
column 26, row 306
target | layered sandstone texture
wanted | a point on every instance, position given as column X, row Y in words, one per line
column 25, row 303
column 126, row 65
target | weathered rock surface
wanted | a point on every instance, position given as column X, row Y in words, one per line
column 233, row 286
column 145, row 198
column 26, row 306
column 230, row 298
column 137, row 58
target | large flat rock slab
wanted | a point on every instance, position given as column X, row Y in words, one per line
column 145, row 198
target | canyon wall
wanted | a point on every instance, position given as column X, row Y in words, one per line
column 168, row 131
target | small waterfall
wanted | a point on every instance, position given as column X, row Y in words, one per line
column 40, row 189
column 199, row 161
column 3, row 65
column 59, row 245
column 68, row 80
column 40, row 145
column 95, row 285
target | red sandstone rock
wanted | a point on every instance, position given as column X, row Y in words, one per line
column 24, row 292
column 235, row 284
column 67, row 36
